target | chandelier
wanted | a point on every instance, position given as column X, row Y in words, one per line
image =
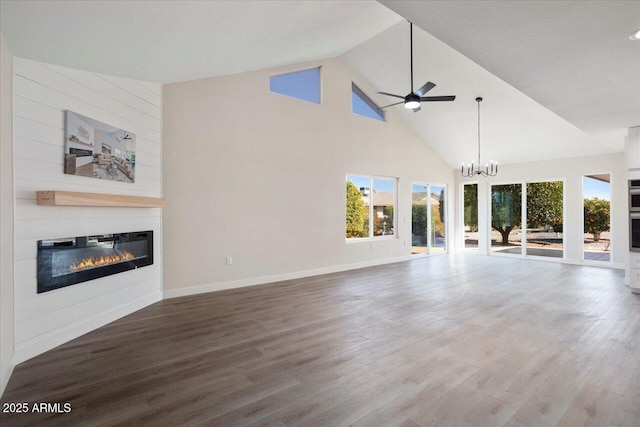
column 489, row 169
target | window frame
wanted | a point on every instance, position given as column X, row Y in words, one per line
column 462, row 224
column 524, row 223
column 523, row 215
column 445, row 187
column 611, row 223
column 319, row 68
column 371, row 207
column 430, row 252
column 428, row 191
column 526, row 219
column 367, row 100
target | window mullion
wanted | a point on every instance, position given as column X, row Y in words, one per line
column 371, row 209
column 429, row 225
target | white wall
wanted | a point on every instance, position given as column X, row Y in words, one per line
column 260, row 177
column 6, row 217
column 571, row 170
column 42, row 93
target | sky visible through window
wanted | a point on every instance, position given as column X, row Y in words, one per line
column 358, row 106
column 596, row 188
column 363, row 106
column 383, row 185
column 380, row 185
column 303, row 85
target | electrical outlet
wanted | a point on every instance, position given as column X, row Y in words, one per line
column 229, row 260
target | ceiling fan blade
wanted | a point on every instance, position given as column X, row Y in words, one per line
column 425, row 88
column 437, row 98
column 391, row 105
column 391, row 94
column 415, row 110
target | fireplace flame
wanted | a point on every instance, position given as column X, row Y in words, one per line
column 92, row 262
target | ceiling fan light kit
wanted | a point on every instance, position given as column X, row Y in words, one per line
column 414, row 98
column 489, row 169
column 412, row 102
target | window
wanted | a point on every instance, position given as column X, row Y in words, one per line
column 545, row 218
column 470, row 216
column 596, row 198
column 370, row 206
column 527, row 219
column 362, row 105
column 438, row 219
column 303, row 85
column 506, row 218
column 419, row 219
column 428, row 207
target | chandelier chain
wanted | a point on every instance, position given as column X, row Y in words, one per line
column 478, row 134
column 472, row 170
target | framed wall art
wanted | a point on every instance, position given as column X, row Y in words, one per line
column 98, row 150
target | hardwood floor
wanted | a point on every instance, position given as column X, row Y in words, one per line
column 449, row 340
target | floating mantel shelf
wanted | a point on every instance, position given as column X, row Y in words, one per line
column 70, row 198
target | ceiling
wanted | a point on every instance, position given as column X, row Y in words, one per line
column 514, row 127
column 573, row 57
column 169, row 41
column 551, row 91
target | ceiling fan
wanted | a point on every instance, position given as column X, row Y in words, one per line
column 412, row 100
column 124, row 138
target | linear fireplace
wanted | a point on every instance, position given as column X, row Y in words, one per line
column 65, row 262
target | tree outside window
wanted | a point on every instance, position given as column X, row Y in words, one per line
column 370, row 206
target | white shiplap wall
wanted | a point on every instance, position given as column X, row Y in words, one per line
column 41, row 94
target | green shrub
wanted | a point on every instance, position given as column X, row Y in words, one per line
column 357, row 218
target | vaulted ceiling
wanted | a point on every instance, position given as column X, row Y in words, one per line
column 514, row 127
column 559, row 79
column 169, row 41
column 573, row 57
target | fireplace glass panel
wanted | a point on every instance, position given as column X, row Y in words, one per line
column 64, row 262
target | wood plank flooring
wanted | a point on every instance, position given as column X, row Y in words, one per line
column 460, row 340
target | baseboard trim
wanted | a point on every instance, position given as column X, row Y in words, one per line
column 263, row 280
column 4, row 377
column 568, row 261
column 613, row 265
column 40, row 344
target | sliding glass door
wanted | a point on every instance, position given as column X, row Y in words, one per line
column 428, row 220
column 438, row 219
column 419, row 219
column 534, row 210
